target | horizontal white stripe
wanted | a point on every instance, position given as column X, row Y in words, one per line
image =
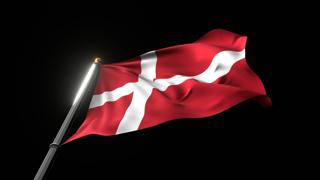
column 220, row 66
column 107, row 96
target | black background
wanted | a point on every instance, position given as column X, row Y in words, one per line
column 57, row 43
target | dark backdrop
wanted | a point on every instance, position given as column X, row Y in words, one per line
column 57, row 43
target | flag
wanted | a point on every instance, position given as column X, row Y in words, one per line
column 193, row 80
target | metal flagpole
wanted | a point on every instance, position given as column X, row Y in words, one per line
column 57, row 141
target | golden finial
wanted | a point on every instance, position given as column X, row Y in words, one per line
column 97, row 60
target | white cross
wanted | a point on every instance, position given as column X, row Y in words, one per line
column 220, row 65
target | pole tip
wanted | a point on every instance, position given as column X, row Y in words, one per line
column 97, row 60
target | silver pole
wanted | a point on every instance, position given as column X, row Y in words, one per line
column 57, row 141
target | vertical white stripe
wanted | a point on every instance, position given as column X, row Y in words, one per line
column 141, row 92
column 148, row 65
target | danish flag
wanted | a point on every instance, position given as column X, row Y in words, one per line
column 185, row 81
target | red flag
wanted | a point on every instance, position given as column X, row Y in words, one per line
column 184, row 81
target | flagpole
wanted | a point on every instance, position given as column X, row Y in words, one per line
column 53, row 147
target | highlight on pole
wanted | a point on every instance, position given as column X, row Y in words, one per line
column 86, row 80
